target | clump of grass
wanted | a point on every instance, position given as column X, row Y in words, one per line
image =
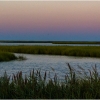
column 6, row 56
column 20, row 57
column 36, row 86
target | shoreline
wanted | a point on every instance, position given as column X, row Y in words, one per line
column 53, row 42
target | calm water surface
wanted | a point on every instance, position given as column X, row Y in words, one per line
column 48, row 44
column 48, row 63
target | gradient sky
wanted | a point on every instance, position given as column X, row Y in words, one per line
column 50, row 20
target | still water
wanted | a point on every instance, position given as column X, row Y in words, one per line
column 50, row 64
column 48, row 44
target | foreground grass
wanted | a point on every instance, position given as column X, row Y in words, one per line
column 6, row 56
column 83, row 51
column 37, row 87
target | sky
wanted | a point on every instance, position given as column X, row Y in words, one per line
column 50, row 20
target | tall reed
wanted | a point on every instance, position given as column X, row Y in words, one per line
column 36, row 86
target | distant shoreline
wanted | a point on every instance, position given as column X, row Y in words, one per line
column 53, row 42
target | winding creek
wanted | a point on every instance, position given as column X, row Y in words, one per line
column 48, row 63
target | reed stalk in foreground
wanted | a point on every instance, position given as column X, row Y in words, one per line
column 36, row 86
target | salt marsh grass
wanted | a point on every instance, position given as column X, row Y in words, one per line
column 83, row 51
column 6, row 56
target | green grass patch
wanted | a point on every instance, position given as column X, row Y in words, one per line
column 83, row 51
column 6, row 56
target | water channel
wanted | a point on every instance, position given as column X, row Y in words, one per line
column 49, row 63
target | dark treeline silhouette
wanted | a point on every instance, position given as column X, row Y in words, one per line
column 54, row 42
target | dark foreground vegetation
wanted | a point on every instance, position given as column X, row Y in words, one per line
column 36, row 86
column 83, row 51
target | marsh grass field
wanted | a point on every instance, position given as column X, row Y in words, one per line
column 36, row 86
column 80, row 51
